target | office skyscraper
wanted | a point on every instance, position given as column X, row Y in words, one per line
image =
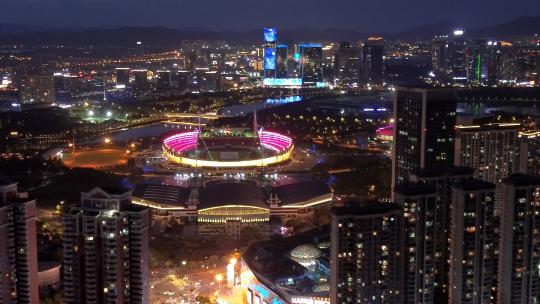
column 491, row 149
column 348, row 63
column 442, row 179
column 282, row 60
column 457, row 57
column 484, row 58
column 424, row 131
column 105, row 245
column 366, row 249
column 122, row 77
column 140, row 85
column 519, row 253
column 372, row 60
column 419, row 203
column 163, row 80
column 311, row 63
column 473, row 243
column 18, row 247
column 439, row 54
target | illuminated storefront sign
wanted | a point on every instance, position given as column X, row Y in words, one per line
column 277, row 82
column 310, row 300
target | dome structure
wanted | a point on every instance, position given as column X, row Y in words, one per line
column 305, row 254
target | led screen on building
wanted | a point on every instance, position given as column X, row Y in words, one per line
column 270, row 59
column 270, row 34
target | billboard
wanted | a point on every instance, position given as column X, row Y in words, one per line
column 270, row 34
column 270, row 59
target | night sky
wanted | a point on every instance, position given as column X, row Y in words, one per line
column 361, row 15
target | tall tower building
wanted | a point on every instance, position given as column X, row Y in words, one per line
column 18, row 247
column 473, row 243
column 491, row 149
column 105, row 245
column 373, row 60
column 424, row 131
column 419, row 203
column 519, row 253
column 269, row 61
column 366, row 248
column 442, row 180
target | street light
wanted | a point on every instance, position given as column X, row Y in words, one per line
column 107, row 140
column 109, row 113
column 219, row 278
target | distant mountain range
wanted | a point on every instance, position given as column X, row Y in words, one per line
column 123, row 36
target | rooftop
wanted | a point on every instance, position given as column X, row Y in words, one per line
column 474, row 185
column 164, row 194
column 413, row 189
column 445, row 171
column 217, row 194
column 300, row 192
column 365, row 208
column 522, row 180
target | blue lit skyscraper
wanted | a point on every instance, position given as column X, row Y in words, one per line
column 270, row 37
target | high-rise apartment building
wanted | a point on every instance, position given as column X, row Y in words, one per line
column 519, row 253
column 473, row 243
column 366, row 244
column 529, row 152
column 442, row 179
column 491, row 149
column 18, row 247
column 419, row 203
column 37, row 90
column 105, row 246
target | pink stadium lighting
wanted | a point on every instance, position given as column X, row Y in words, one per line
column 181, row 142
column 275, row 141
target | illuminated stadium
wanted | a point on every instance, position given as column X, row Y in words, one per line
column 227, row 148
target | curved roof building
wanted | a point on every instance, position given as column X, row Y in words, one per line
column 233, row 203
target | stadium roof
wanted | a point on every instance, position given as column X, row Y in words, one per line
column 217, row 194
column 301, row 192
column 163, row 194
